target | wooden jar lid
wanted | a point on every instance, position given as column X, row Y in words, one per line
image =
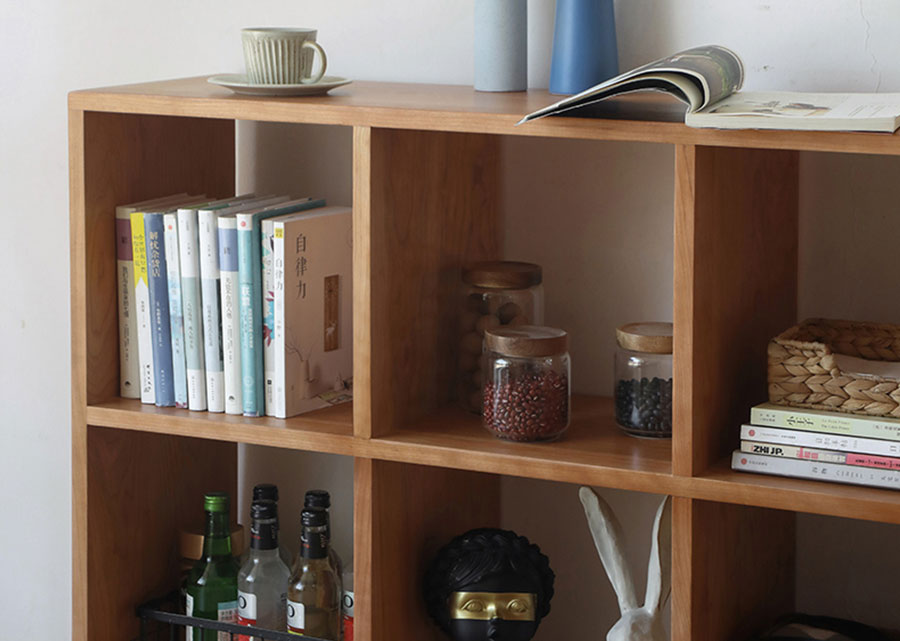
column 649, row 338
column 527, row 340
column 503, row 274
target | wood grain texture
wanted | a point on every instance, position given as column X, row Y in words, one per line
column 362, row 282
column 141, row 489
column 412, row 511
column 733, row 569
column 128, row 158
column 736, row 228
column 639, row 118
column 433, row 207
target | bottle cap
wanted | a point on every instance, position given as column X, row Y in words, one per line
column 313, row 517
column 216, row 502
column 263, row 510
column 526, row 340
column 502, row 274
column 265, row 492
column 649, row 338
column 317, row 498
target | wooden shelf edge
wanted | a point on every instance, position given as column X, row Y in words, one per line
column 327, row 431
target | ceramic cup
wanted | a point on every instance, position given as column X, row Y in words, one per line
column 281, row 56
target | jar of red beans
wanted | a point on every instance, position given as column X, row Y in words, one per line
column 497, row 294
column 526, row 383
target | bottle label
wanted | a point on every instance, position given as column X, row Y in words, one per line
column 313, row 545
column 227, row 614
column 296, row 617
column 246, row 612
column 264, row 535
column 347, row 614
column 188, row 610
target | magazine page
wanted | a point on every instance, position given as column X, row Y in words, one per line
column 793, row 110
column 714, row 70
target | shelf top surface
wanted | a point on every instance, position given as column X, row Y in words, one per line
column 644, row 117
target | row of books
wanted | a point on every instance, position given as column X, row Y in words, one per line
column 240, row 305
column 826, row 446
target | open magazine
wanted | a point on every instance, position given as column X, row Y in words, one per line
column 708, row 80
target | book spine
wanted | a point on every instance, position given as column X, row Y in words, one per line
column 142, row 309
column 266, row 236
column 278, row 342
column 188, row 252
column 176, row 315
column 160, row 328
column 210, row 293
column 816, row 439
column 250, row 310
column 231, row 326
column 832, row 423
column 129, row 367
column 833, row 472
column 824, row 456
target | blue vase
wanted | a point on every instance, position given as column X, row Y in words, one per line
column 584, row 45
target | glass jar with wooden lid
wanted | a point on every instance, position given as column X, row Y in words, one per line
column 526, row 383
column 497, row 294
column 643, row 375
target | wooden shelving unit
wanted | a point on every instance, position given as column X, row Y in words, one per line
column 425, row 168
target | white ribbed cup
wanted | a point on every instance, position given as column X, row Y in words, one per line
column 277, row 56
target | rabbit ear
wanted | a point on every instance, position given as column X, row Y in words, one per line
column 607, row 535
column 659, row 570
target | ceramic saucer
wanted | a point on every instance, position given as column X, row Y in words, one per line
column 238, row 83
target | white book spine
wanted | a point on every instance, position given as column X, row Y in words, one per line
column 832, row 472
column 129, row 367
column 818, row 439
column 207, row 226
column 793, row 451
column 231, row 320
column 268, row 311
column 854, row 425
column 190, row 297
column 278, row 370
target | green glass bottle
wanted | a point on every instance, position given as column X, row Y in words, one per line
column 211, row 585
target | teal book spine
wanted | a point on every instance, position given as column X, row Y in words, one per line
column 176, row 313
column 251, row 303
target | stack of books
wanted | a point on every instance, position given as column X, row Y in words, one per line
column 241, row 305
column 826, row 446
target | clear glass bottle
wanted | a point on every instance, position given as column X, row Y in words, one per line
column 497, row 294
column 526, row 383
column 322, row 499
column 269, row 492
column 347, row 605
column 211, row 585
column 314, row 590
column 643, row 379
column 263, row 578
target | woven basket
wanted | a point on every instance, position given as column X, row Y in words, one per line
column 803, row 372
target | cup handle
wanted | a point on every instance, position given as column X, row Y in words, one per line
column 317, row 77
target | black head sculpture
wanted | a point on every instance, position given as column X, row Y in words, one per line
column 489, row 585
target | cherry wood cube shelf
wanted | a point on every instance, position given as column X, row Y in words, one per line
column 426, row 199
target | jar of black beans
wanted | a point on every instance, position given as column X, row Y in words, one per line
column 526, row 383
column 643, row 379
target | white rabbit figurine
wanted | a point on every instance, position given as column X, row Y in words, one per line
column 638, row 623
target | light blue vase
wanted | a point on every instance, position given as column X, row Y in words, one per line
column 501, row 45
column 584, row 45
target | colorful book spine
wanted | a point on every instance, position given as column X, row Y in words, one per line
column 142, row 308
column 160, row 327
column 266, row 249
column 825, row 456
column 798, row 438
column 176, row 315
column 815, row 470
column 231, row 325
column 129, row 365
column 250, row 279
column 210, row 296
column 189, row 254
column 770, row 415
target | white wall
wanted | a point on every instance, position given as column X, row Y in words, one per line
column 52, row 46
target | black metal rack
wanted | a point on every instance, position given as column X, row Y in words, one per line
column 162, row 620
